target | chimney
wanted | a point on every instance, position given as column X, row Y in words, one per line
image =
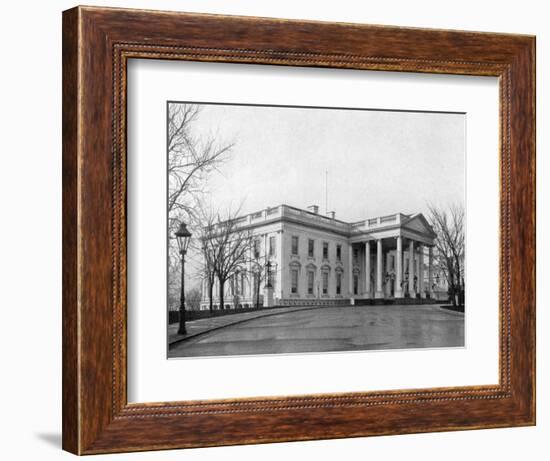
column 331, row 214
column 313, row 209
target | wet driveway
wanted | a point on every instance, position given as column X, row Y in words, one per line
column 331, row 329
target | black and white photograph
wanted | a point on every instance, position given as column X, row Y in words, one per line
column 313, row 229
column 275, row 230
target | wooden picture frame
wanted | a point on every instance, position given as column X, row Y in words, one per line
column 97, row 43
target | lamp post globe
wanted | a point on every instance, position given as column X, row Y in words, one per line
column 183, row 237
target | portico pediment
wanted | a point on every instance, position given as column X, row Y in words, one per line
column 419, row 224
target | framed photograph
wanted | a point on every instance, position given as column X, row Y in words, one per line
column 281, row 230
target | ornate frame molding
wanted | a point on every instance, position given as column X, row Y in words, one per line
column 97, row 44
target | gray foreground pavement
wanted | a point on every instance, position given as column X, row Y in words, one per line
column 314, row 329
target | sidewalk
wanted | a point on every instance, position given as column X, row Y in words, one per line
column 197, row 327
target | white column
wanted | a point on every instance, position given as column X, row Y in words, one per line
column 399, row 268
column 386, row 269
column 379, row 293
column 412, row 292
column 350, row 271
column 279, row 266
column 430, row 272
column 367, row 268
column 421, row 271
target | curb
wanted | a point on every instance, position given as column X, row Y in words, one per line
column 452, row 312
column 271, row 314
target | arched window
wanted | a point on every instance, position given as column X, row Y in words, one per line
column 294, row 281
column 294, row 277
column 338, row 283
column 310, row 281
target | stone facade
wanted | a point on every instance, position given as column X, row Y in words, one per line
column 319, row 260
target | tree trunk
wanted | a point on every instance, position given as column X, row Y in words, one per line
column 452, row 282
column 211, row 295
column 455, row 292
column 222, row 301
column 258, row 292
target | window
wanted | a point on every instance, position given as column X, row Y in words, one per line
column 294, row 245
column 272, row 245
column 294, row 281
column 339, row 252
column 257, row 244
column 310, row 282
column 325, row 283
column 355, row 284
column 325, row 250
column 355, row 254
column 310, row 247
column 338, row 283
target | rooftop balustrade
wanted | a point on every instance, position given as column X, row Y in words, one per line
column 309, row 217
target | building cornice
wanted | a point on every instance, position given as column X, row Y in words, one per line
column 309, row 220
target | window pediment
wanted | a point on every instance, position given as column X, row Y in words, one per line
column 311, row 266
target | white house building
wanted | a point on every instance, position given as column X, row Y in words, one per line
column 320, row 260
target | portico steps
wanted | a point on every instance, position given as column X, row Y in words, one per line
column 356, row 302
column 393, row 301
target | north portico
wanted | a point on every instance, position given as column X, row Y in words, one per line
column 317, row 259
column 391, row 257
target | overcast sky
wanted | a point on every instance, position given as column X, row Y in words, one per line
column 378, row 162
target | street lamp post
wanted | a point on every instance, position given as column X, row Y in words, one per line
column 183, row 236
column 268, row 275
column 268, row 293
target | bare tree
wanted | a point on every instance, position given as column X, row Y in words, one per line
column 258, row 276
column 190, row 158
column 207, row 269
column 227, row 247
column 193, row 298
column 209, row 274
column 174, row 275
column 450, row 246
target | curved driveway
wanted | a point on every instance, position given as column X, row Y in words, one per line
column 331, row 329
